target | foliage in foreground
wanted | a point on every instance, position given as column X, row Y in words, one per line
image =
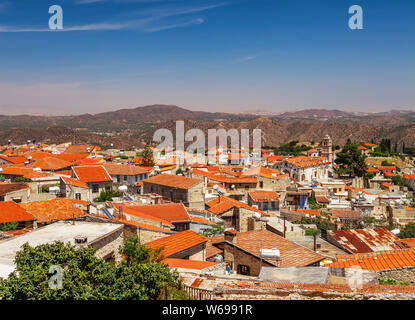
column 139, row 276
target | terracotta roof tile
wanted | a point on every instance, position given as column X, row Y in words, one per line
column 189, row 264
column 51, row 210
column 263, row 195
column 92, row 174
column 74, row 182
column 10, row 211
column 174, row 181
column 382, row 260
column 177, row 242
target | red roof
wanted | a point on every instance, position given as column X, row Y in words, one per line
column 371, row 169
column 10, row 211
column 177, row 242
column 92, row 174
column 47, row 164
column 6, row 188
column 222, row 204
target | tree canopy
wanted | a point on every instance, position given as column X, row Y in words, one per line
column 139, row 276
column 351, row 161
column 147, row 155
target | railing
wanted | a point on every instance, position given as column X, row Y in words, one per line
column 198, row 294
column 192, row 293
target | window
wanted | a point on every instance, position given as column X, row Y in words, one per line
column 77, row 196
column 125, row 178
column 118, row 178
column 243, row 269
column 95, row 188
column 261, row 184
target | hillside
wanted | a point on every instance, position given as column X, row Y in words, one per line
column 130, row 127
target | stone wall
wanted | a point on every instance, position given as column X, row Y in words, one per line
column 109, row 244
column 401, row 275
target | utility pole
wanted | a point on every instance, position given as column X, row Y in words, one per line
column 73, row 192
column 284, row 226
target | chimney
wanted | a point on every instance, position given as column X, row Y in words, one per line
column 230, row 235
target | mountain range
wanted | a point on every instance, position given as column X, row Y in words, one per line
column 132, row 127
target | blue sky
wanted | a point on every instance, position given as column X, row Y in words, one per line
column 230, row 55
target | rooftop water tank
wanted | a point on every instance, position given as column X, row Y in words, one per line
column 270, row 253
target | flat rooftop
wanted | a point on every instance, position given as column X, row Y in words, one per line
column 59, row 231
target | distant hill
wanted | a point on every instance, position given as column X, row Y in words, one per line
column 131, row 127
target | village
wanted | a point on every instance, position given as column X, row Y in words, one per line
column 319, row 220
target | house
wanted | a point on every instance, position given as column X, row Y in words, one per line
column 199, row 224
column 49, row 211
column 264, row 200
column 12, row 212
column 182, row 245
column 236, row 214
column 12, row 159
column 306, row 169
column 349, row 218
column 268, row 179
column 245, row 252
column 17, row 192
column 96, row 177
column 188, row 191
column 193, row 266
column 174, row 213
column 105, row 238
column 364, row 240
column 74, row 189
column 126, row 174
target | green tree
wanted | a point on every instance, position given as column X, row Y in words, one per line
column 408, row 231
column 85, row 276
column 351, row 161
column 147, row 154
column 214, row 231
column 107, row 196
column 8, row 226
column 179, row 171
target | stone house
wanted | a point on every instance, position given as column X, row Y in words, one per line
column 179, row 189
column 17, row 192
column 244, row 252
column 96, row 177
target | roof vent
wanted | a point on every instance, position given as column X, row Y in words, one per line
column 81, row 239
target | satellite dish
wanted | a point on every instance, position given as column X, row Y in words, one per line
column 215, row 187
column 396, row 231
column 122, row 188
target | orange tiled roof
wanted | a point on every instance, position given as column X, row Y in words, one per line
column 223, row 203
column 124, row 169
column 174, row 181
column 80, row 149
column 312, row 150
column 361, row 148
column 74, row 182
column 313, row 212
column 10, row 211
column 14, row 159
column 92, row 174
column 177, row 242
column 305, row 162
column 25, row 172
column 344, row 213
column 172, row 212
column 386, row 184
column 188, row 264
column 70, row 157
column 390, row 174
column 371, row 169
column 198, row 219
column 134, row 210
column 51, row 210
column 50, row 163
column 383, row 260
column 263, row 195
column 371, row 145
